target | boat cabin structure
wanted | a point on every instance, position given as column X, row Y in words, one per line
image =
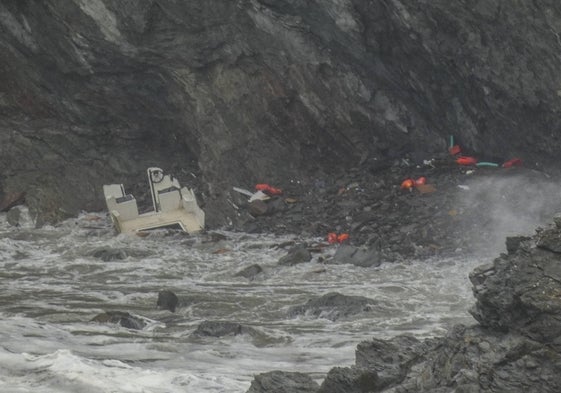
column 173, row 205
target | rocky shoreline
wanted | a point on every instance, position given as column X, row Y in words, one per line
column 514, row 347
column 465, row 210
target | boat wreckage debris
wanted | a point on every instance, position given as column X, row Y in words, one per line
column 173, row 205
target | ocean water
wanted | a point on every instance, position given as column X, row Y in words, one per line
column 53, row 282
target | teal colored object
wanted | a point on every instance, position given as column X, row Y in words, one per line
column 451, row 140
column 483, row 163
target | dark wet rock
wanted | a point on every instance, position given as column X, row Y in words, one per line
column 333, row 306
column 549, row 240
column 10, row 200
column 122, row 318
column 258, row 208
column 297, row 254
column 358, row 256
column 250, row 272
column 223, row 328
column 276, row 205
column 513, row 243
column 13, row 216
column 109, row 254
column 522, row 292
column 167, row 300
column 213, row 237
column 471, row 359
column 283, row 382
column 350, row 380
column 557, row 220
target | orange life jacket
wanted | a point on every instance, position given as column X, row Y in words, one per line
column 463, row 160
column 513, row 162
column 267, row 189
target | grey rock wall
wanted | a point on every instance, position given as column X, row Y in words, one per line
column 229, row 92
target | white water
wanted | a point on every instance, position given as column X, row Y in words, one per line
column 51, row 286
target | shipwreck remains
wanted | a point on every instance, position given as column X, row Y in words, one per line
column 173, row 205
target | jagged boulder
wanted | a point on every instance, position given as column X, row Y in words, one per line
column 283, row 382
column 334, row 306
column 358, row 256
column 222, row 328
column 521, row 292
column 250, row 272
column 167, row 300
column 122, row 318
column 297, row 254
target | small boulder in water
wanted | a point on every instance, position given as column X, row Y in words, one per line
column 250, row 272
column 333, row 306
column 167, row 300
column 109, row 254
column 122, row 318
column 358, row 256
column 221, row 329
column 297, row 254
column 13, row 216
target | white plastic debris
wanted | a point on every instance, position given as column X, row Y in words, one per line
column 243, row 191
column 259, row 195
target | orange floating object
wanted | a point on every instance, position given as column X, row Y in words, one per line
column 464, row 160
column 513, row 162
column 342, row 237
column 420, row 181
column 266, row 188
column 407, row 184
column 454, row 150
column 332, row 237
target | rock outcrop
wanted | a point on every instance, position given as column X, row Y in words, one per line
column 515, row 347
column 230, row 93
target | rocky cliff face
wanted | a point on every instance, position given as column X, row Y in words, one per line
column 229, row 92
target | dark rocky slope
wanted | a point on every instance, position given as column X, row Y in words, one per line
column 227, row 93
column 515, row 347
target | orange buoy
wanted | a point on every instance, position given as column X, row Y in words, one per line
column 342, row 237
column 266, row 188
column 464, row 160
column 513, row 162
column 420, row 181
column 407, row 184
column 332, row 237
column 454, row 150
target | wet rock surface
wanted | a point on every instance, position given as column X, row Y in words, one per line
column 121, row 318
column 333, row 306
column 250, row 272
column 297, row 254
column 167, row 300
column 222, row 328
column 283, row 382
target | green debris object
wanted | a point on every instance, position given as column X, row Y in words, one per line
column 483, row 163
